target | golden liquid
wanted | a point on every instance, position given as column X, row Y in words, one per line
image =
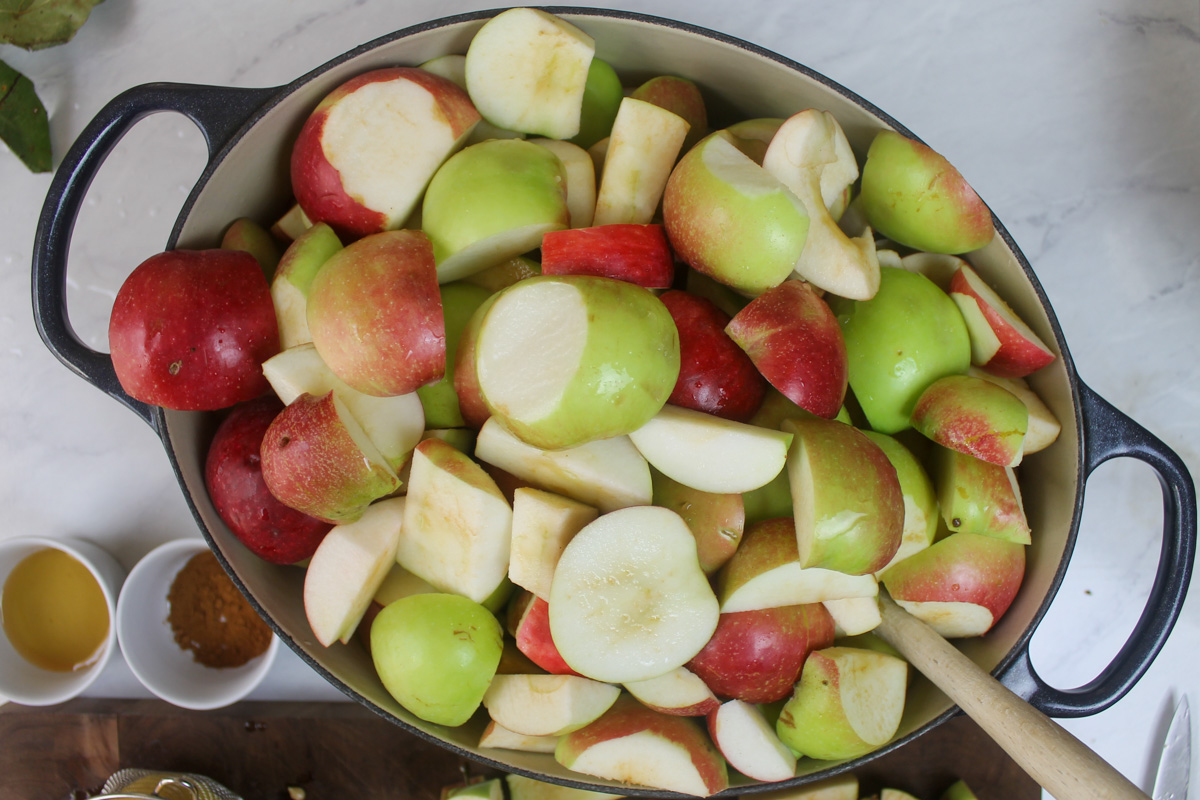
column 54, row 611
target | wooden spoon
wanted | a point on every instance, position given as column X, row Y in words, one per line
column 1060, row 763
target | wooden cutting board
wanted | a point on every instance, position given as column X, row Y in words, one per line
column 344, row 751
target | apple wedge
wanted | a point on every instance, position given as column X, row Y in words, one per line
column 457, row 524
column 920, row 497
column 848, row 702
column 292, row 224
column 528, row 620
column 1044, row 427
column 716, row 520
column 606, row 474
column 637, row 253
column 710, row 453
column 679, row 692
column 498, row 737
column 347, row 569
column 580, row 173
column 973, row 416
column 631, row 743
column 679, row 96
column 978, row 497
column 542, row 525
column 853, row 615
column 1001, row 342
column 749, row 743
column 547, row 705
column 293, row 278
column 642, row 150
column 629, row 600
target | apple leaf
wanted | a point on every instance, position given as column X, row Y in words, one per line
column 23, row 123
column 34, row 24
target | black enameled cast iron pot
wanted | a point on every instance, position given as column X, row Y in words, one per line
column 249, row 134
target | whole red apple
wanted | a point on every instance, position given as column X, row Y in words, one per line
column 715, row 376
column 233, row 473
column 190, row 330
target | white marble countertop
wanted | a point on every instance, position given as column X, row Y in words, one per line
column 1077, row 122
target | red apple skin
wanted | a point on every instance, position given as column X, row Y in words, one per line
column 627, row 716
column 190, row 330
column 626, row 252
column 756, row 656
column 466, row 379
column 317, row 184
column 973, row 416
column 794, row 340
column 962, row 568
column 375, row 314
column 715, row 375
column 1019, row 355
column 679, row 96
column 529, row 618
column 233, row 474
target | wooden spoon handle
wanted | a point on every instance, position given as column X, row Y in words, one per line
column 1059, row 762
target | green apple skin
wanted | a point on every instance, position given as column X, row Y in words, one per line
column 958, row 791
column 375, row 314
column 769, row 501
column 920, row 497
column 753, row 136
column 765, row 545
column 716, row 520
column 978, row 497
column 294, row 275
column 913, row 195
column 679, row 96
column 440, row 401
column 489, row 189
column 437, row 654
column 973, row 416
column 899, row 342
column 631, row 334
column 727, row 218
column 248, row 236
column 602, row 96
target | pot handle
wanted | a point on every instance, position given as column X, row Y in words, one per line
column 217, row 111
column 1108, row 433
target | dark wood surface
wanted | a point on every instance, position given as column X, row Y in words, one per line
column 342, row 750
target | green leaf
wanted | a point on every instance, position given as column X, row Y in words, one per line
column 34, row 24
column 23, row 123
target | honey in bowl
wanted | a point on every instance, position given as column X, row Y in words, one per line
column 54, row 611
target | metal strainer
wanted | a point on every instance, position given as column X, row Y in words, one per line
column 144, row 784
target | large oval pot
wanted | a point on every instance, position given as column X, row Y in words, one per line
column 249, row 134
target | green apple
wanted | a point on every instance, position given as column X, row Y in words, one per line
column 436, row 654
column 978, row 497
column 959, row 790
column 542, row 525
column 717, row 520
column 439, row 400
column 490, row 202
column 973, row 416
column 920, row 498
column 903, row 339
column 753, row 136
column 293, row 278
column 491, row 789
column 547, row 705
column 847, row 703
column 565, row 360
column 249, row 236
column 642, row 150
column 913, row 195
column 602, row 95
column 730, row 219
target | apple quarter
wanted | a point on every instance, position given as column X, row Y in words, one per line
column 642, row 150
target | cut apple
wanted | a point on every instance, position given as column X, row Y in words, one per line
column 547, row 705
column 347, row 569
column 399, row 582
column 920, row 497
column 542, row 524
column 973, row 416
column 457, row 524
column 629, row 600
column 716, row 520
column 1044, row 427
column 528, row 621
column 750, row 744
column 498, row 737
column 293, row 278
column 1000, row 340
column 710, row 453
column 639, row 254
column 580, row 172
column 522, row 788
column 642, row 149
column 606, row 474
column 839, row 787
column 680, row 692
column 978, row 497
column 853, row 615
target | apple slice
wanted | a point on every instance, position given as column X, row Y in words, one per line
column 642, row 149
column 629, row 600
column 393, row 424
column 316, row 458
column 1000, row 340
column 750, row 744
column 639, row 254
column 839, row 787
column 710, row 453
column 453, row 67
column 293, row 279
column 564, row 360
column 292, row 224
column 547, row 705
column 920, row 497
column 457, row 525
column 765, row 572
column 716, row 520
column 366, row 153
column 849, row 507
column 607, row 474
column 853, row 615
column 580, row 173
column 347, row 569
column 497, row 737
column 680, row 692
column 960, row 585
column 526, row 71
column 973, row 416
column 248, row 236
column 542, row 525
column 631, row 743
column 679, row 96
column 848, row 702
column 1044, row 427
column 522, row 788
column 978, row 497
column 528, row 620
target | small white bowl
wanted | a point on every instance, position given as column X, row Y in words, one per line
column 21, row 681
column 149, row 645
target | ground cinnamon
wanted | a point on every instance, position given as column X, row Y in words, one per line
column 210, row 617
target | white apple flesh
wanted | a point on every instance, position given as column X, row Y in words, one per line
column 547, row 705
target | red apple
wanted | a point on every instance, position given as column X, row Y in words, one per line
column 756, row 656
column 190, row 329
column 368, row 150
column 715, row 375
column 233, row 475
column 1001, row 342
column 794, row 340
column 529, row 624
column 375, row 314
column 628, row 252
